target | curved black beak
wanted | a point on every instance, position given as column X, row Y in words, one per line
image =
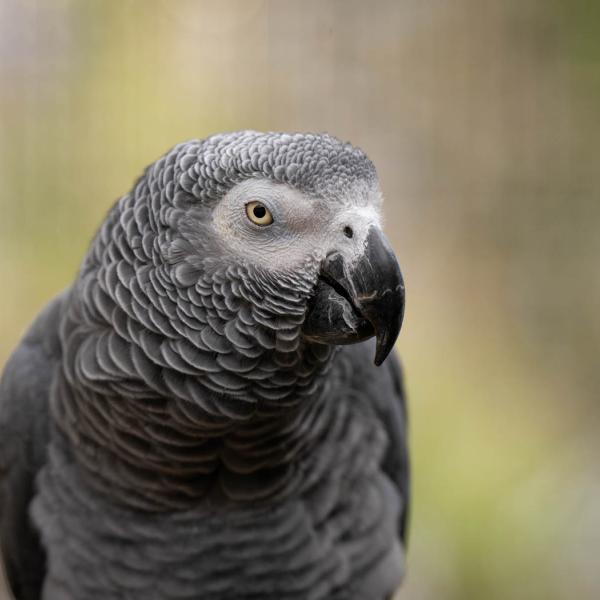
column 354, row 302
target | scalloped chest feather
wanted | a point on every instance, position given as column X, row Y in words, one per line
column 329, row 533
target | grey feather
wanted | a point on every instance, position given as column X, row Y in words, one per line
column 172, row 433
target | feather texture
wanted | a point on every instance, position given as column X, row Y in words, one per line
column 198, row 445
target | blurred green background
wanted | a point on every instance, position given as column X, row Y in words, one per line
column 483, row 119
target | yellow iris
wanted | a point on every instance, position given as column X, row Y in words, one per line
column 258, row 213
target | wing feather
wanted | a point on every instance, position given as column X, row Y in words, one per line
column 24, row 391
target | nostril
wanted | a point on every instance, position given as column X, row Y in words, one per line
column 348, row 231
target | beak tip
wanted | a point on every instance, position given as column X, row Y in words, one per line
column 386, row 339
column 382, row 350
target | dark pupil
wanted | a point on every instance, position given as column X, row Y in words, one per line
column 259, row 211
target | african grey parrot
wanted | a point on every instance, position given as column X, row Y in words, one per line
column 198, row 415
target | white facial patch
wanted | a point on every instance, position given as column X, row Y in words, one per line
column 303, row 227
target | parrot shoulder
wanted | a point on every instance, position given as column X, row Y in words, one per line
column 24, row 392
column 383, row 388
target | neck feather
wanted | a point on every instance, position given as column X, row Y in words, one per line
column 172, row 390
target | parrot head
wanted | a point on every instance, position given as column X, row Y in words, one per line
column 287, row 228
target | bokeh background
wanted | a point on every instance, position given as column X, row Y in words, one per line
column 483, row 119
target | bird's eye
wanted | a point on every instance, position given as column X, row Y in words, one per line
column 258, row 213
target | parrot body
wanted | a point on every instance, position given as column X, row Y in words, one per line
column 182, row 422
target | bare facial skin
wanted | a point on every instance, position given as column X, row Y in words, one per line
column 302, row 227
